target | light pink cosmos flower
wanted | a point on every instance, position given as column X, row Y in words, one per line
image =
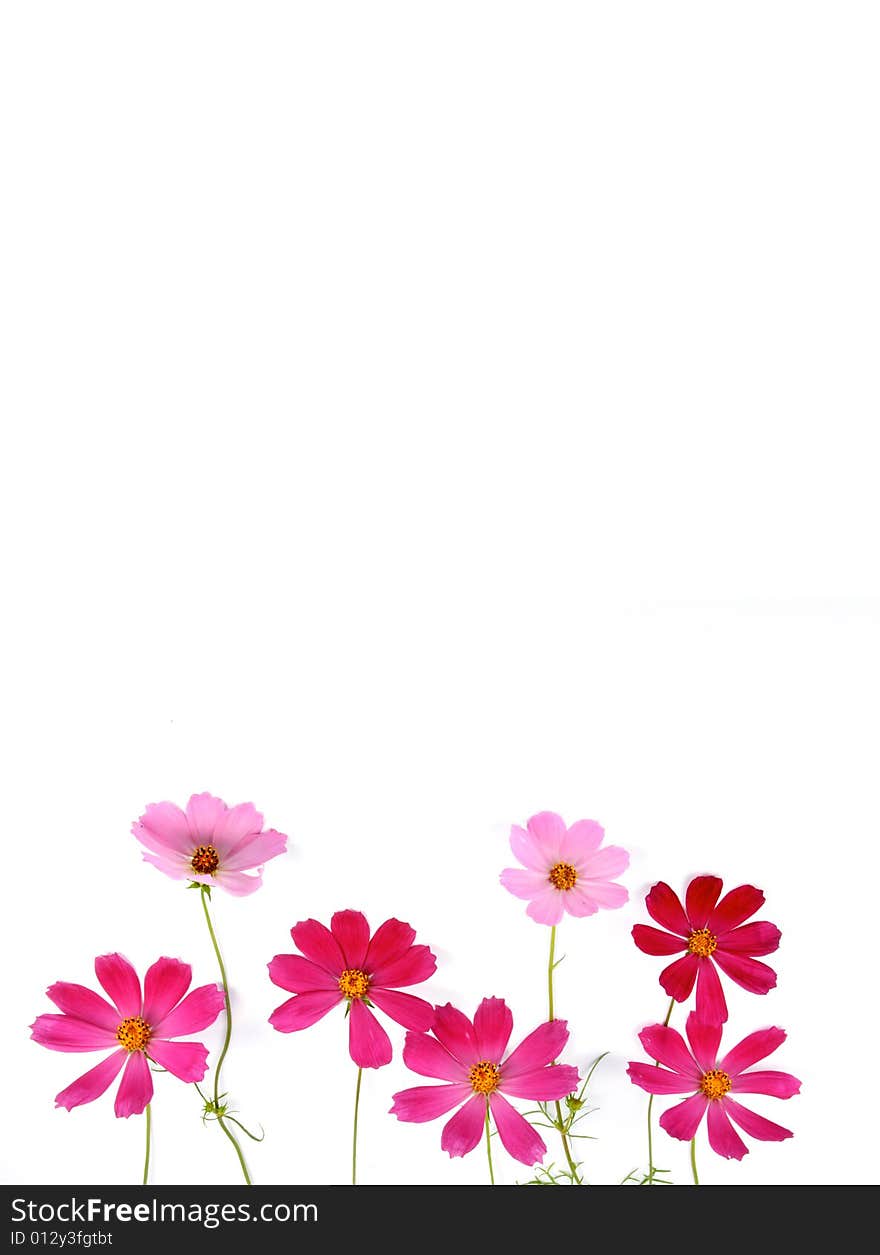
column 712, row 1082
column 136, row 1027
column 564, row 868
column 709, row 932
column 472, row 1059
column 344, row 964
column 210, row 843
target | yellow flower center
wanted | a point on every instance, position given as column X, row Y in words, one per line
column 133, row 1033
column 715, row 1084
column 484, row 1077
column 205, row 860
column 354, row 983
column 563, row 876
column 702, row 943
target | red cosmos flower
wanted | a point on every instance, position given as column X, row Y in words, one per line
column 343, row 963
column 711, row 932
column 694, row 1068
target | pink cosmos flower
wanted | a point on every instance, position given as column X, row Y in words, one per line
column 345, row 964
column 210, row 843
column 471, row 1058
column 564, row 868
column 134, row 1026
column 711, row 932
column 711, row 1082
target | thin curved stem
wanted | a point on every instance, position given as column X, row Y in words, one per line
column 149, row 1116
column 354, row 1139
column 694, row 1159
column 223, row 1125
column 560, row 1124
column 489, row 1146
column 651, row 1104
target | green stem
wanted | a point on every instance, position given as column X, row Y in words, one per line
column 223, row 1125
column 354, row 1140
column 489, row 1146
column 694, row 1159
column 560, row 1124
column 651, row 1104
column 147, row 1157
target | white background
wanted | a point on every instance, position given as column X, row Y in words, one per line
column 419, row 415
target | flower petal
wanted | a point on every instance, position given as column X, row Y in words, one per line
column 119, row 979
column 67, row 1033
column 173, row 865
column 83, row 1004
column 239, row 884
column 390, row 941
column 700, row 898
column 493, row 1024
column 755, row 1125
column 752, row 1049
column 204, row 812
column 413, row 1013
column 427, row 1102
column 777, row 1084
column 756, row 977
column 549, row 831
column 711, row 1003
column 352, row 933
column 368, row 1043
column 416, row 965
column 299, row 975
column 554, row 1081
column 664, row 907
column 135, row 1088
column 523, row 883
column 187, row 1060
column 604, row 894
column 683, row 1120
column 653, row 941
column 92, row 1084
column 547, row 907
column 164, row 985
column 528, row 850
column 318, row 944
column 734, row 907
column 454, row 1030
column 254, row 851
column 462, row 1133
column 582, row 838
column 758, row 937
column 678, row 979
column 705, row 1038
column 234, row 826
column 668, row 1047
column 163, row 826
column 605, row 864
column 303, row 1010
column 198, row 1010
column 542, row 1046
column 518, row 1137
column 579, row 901
column 426, row 1056
column 723, row 1137
column 656, row 1080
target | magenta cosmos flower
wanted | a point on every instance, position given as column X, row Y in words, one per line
column 134, row 1026
column 209, row 843
column 710, row 932
column 564, row 868
column 344, row 964
column 712, row 1082
column 471, row 1058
